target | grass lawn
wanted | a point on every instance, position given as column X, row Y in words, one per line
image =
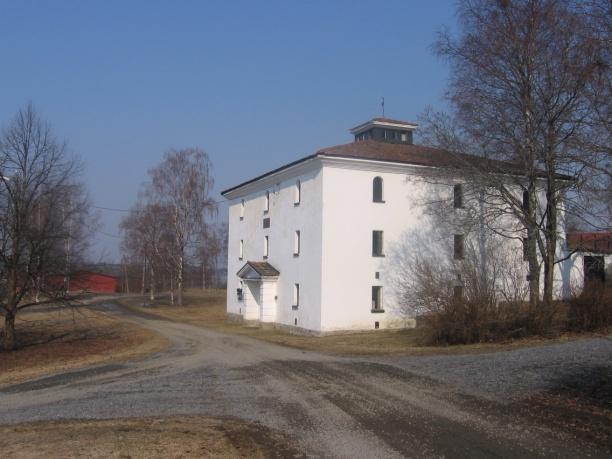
column 207, row 309
column 62, row 339
column 185, row 436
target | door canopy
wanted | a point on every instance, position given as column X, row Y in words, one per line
column 257, row 270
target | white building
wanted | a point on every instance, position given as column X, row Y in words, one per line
column 307, row 241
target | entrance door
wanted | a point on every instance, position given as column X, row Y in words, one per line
column 594, row 269
column 252, row 299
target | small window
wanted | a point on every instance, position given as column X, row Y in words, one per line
column 377, row 244
column 266, row 246
column 458, row 247
column 266, row 222
column 296, row 243
column 267, row 202
column 241, row 250
column 525, row 249
column 296, row 295
column 298, row 193
column 458, row 196
column 377, row 189
column 377, row 275
column 377, row 298
column 242, row 210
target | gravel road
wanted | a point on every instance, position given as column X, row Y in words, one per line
column 446, row 406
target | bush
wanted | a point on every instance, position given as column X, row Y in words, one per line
column 469, row 321
column 591, row 310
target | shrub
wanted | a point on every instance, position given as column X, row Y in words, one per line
column 591, row 310
column 472, row 321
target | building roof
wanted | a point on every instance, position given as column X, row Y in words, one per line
column 384, row 122
column 262, row 268
column 600, row 242
column 414, row 154
column 403, row 154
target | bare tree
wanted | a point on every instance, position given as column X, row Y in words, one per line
column 451, row 295
column 42, row 217
column 528, row 87
column 183, row 183
column 211, row 253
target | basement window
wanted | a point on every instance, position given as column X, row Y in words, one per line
column 458, row 292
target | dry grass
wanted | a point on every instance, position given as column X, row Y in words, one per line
column 207, row 309
column 143, row 438
column 61, row 339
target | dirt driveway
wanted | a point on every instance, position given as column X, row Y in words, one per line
column 329, row 406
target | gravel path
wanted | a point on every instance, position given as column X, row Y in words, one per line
column 332, row 406
column 507, row 376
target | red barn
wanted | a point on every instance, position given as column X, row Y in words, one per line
column 87, row 281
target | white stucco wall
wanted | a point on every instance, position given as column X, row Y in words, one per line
column 349, row 217
column 335, row 268
column 285, row 219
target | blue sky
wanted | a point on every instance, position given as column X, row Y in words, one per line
column 255, row 84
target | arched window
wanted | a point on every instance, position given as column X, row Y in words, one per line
column 377, row 189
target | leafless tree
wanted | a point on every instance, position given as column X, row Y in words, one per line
column 43, row 217
column 530, row 87
column 148, row 240
column 183, row 183
column 455, row 299
column 211, row 252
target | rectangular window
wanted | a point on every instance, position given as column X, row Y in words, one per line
column 458, row 196
column 266, row 222
column 267, row 202
column 242, row 210
column 296, row 295
column 526, row 206
column 458, row 292
column 241, row 250
column 298, row 193
column 458, row 247
column 377, row 298
column 377, row 244
column 296, row 243
column 525, row 249
column 266, row 246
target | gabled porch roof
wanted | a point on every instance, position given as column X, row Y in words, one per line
column 255, row 270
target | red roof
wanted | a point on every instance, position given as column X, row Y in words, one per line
column 415, row 154
column 600, row 242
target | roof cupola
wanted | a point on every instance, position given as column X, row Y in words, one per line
column 385, row 130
